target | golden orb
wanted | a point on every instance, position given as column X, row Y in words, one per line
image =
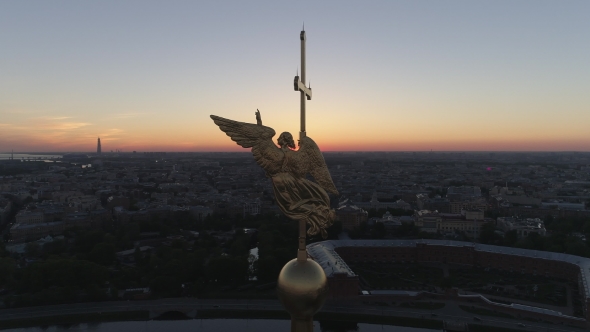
column 302, row 289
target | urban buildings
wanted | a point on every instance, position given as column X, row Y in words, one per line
column 523, row 226
column 334, row 257
column 401, row 197
column 351, row 216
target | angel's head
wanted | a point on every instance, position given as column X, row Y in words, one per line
column 286, row 139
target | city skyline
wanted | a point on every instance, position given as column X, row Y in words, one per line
column 387, row 76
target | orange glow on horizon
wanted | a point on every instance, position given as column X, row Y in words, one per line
column 324, row 146
column 226, row 145
column 370, row 131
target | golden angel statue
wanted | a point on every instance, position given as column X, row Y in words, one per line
column 298, row 197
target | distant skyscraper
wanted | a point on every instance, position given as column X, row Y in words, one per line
column 98, row 149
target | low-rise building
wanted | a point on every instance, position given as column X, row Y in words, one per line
column 84, row 203
column 351, row 216
column 523, row 226
column 29, row 217
column 200, row 212
column 427, row 220
column 252, row 208
column 457, row 206
column 334, row 256
column 390, row 222
column 468, row 222
column 23, row 232
column 436, row 203
column 463, row 192
column 563, row 205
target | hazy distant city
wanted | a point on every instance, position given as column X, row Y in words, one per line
column 150, row 225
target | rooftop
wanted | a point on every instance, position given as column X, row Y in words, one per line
column 324, row 254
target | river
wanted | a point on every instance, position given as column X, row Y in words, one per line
column 212, row 325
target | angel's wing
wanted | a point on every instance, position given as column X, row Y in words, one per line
column 257, row 137
column 309, row 159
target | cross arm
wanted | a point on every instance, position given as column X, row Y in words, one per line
column 300, row 86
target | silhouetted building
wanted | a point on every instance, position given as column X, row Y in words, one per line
column 523, row 226
column 334, row 257
column 463, row 192
column 437, row 203
column 351, row 216
column 98, row 148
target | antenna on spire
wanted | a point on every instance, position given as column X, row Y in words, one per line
column 303, row 29
column 297, row 71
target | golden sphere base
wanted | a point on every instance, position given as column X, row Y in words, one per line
column 302, row 288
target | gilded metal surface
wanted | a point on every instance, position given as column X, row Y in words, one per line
column 302, row 285
column 302, row 288
column 299, row 198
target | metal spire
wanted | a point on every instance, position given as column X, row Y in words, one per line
column 299, row 84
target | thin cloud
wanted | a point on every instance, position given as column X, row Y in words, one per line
column 56, row 123
column 111, row 132
column 64, row 125
column 49, row 118
column 14, row 127
column 72, row 125
column 19, row 111
column 129, row 115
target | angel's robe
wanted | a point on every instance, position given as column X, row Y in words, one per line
column 300, row 198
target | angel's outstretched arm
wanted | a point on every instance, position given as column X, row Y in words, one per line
column 258, row 119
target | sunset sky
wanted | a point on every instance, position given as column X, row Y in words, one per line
column 386, row 75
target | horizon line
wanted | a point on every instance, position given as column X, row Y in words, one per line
column 328, row 151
